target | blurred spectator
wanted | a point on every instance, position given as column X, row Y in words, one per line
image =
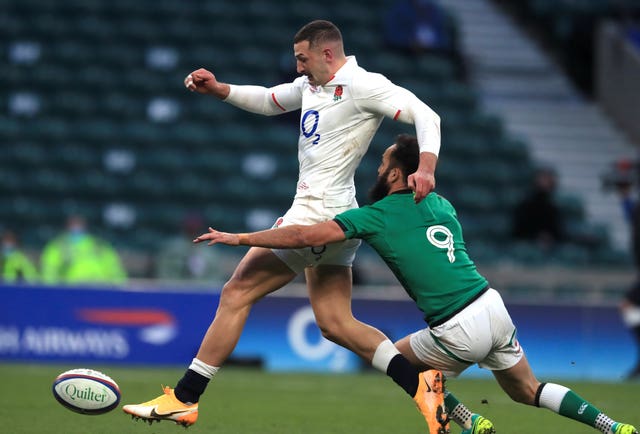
column 538, row 218
column 179, row 258
column 417, row 26
column 624, row 179
column 75, row 256
column 15, row 264
column 633, row 33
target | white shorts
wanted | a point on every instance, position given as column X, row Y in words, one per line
column 308, row 211
column 482, row 333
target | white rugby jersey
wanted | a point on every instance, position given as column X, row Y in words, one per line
column 337, row 123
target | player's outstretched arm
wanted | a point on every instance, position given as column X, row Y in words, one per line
column 203, row 81
column 423, row 181
column 286, row 237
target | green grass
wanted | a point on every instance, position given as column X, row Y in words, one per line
column 247, row 401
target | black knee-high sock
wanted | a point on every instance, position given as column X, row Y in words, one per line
column 191, row 386
column 404, row 374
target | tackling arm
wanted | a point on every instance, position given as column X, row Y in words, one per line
column 285, row 237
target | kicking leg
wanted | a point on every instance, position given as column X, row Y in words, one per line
column 259, row 273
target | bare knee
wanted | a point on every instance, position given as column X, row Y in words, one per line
column 523, row 392
column 519, row 382
column 236, row 295
column 332, row 327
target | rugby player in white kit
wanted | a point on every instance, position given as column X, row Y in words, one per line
column 342, row 106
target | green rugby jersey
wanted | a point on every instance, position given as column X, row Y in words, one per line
column 423, row 245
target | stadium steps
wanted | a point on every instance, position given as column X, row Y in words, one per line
column 518, row 80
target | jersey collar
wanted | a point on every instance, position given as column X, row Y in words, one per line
column 344, row 74
column 405, row 191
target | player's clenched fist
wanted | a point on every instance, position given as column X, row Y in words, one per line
column 199, row 80
column 203, row 81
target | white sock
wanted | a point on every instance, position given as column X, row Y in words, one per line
column 383, row 355
column 203, row 369
column 551, row 396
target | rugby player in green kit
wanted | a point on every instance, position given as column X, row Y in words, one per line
column 424, row 247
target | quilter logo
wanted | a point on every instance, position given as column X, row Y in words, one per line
column 157, row 326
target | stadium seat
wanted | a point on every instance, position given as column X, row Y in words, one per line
column 98, row 185
column 72, row 104
column 571, row 207
column 435, row 68
column 96, row 130
column 224, row 216
column 95, row 77
column 92, row 83
column 71, row 53
column 69, row 157
column 24, row 155
column 94, row 28
column 459, row 95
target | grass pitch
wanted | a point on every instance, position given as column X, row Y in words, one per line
column 248, row 401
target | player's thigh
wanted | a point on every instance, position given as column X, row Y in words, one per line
column 506, row 351
column 426, row 351
column 329, row 291
column 404, row 346
column 259, row 272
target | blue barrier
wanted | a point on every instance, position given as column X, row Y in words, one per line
column 90, row 326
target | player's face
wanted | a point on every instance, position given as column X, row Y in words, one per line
column 386, row 158
column 381, row 188
column 312, row 63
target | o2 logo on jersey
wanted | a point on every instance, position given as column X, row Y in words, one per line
column 309, row 125
column 442, row 243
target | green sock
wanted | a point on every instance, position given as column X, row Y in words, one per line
column 574, row 407
column 567, row 403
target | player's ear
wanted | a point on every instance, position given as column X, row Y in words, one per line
column 394, row 174
column 327, row 53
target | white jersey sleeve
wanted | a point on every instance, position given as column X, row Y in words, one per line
column 270, row 101
column 376, row 94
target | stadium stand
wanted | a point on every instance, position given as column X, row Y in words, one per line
column 98, row 121
column 568, row 28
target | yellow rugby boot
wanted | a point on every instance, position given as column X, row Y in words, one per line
column 623, row 428
column 164, row 407
column 480, row 425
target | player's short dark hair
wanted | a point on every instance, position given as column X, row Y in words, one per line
column 406, row 155
column 317, row 32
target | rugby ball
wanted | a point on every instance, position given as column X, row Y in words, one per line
column 86, row 391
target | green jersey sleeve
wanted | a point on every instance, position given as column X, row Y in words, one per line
column 361, row 222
